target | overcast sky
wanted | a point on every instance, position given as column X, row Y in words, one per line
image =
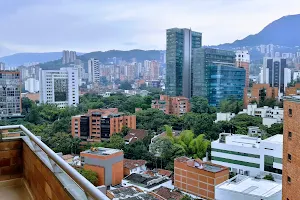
column 93, row 25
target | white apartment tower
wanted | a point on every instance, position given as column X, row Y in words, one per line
column 59, row 87
column 94, row 70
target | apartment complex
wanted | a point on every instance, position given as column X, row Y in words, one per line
column 197, row 177
column 100, row 124
column 291, row 140
column 68, row 56
column 248, row 155
column 172, row 105
column 93, row 71
column 179, row 57
column 243, row 61
column 108, row 163
column 261, row 92
column 10, row 94
column 59, row 87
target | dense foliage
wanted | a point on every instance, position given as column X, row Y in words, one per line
column 89, row 175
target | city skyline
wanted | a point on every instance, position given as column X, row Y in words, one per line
column 64, row 24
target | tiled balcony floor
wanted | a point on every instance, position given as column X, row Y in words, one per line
column 14, row 190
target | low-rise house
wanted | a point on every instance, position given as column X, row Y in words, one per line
column 135, row 135
column 168, row 194
column 146, row 182
column 131, row 193
column 248, row 188
column 134, row 166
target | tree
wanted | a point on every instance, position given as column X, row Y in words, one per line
column 89, row 175
column 199, row 105
column 116, row 141
column 125, row 130
column 275, row 129
column 231, row 105
column 186, row 197
column 125, row 85
column 199, row 146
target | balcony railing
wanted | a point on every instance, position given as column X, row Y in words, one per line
column 74, row 183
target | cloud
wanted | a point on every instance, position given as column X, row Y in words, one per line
column 90, row 25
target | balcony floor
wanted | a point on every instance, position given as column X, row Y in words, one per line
column 14, row 190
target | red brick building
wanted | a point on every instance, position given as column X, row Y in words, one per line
column 292, row 91
column 197, row 177
column 259, row 91
column 101, row 124
column 291, row 150
column 172, row 105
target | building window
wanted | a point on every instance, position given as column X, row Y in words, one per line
column 289, row 157
column 289, row 179
column 290, row 135
column 290, row 112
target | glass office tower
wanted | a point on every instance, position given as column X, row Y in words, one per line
column 179, row 58
column 203, row 58
column 225, row 81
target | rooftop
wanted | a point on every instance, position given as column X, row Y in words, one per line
column 131, row 164
column 168, row 194
column 238, row 140
column 146, row 181
column 161, row 172
column 135, row 134
column 276, row 139
column 130, row 193
column 251, row 186
column 199, row 164
column 101, row 151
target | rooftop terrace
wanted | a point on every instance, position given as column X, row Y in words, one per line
column 102, row 151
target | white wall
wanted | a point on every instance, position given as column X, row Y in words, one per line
column 168, row 184
column 221, row 194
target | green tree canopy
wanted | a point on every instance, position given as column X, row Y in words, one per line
column 89, row 175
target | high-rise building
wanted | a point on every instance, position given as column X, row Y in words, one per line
column 59, row 87
column 68, row 56
column 32, row 85
column 2, row 66
column 291, row 154
column 215, row 75
column 243, row 61
column 94, row 70
column 179, row 59
column 154, row 70
column 10, row 93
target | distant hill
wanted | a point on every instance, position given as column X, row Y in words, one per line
column 21, row 58
column 139, row 55
column 284, row 32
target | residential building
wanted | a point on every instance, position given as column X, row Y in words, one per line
column 108, row 163
column 291, row 139
column 10, row 94
column 132, row 193
column 270, row 115
column 172, row 105
column 274, row 73
column 135, row 135
column 261, row 92
column 248, row 188
column 32, row 85
column 179, row 59
column 31, row 170
column 224, row 117
column 248, row 155
column 203, row 59
column 159, row 172
column 2, row 66
column 134, row 166
column 197, row 177
column 293, row 91
column 59, row 87
column 68, row 56
column 168, row 194
column 243, row 61
column 100, row 124
column 93, row 71
column 32, row 96
column 224, row 81
column 146, row 182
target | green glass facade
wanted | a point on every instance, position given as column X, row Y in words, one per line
column 236, row 153
column 268, row 164
column 179, row 58
column 224, row 82
column 237, row 162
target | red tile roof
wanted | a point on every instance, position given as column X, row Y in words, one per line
column 135, row 134
column 168, row 194
column 131, row 164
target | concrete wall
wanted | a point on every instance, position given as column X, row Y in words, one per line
column 41, row 181
column 11, row 160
